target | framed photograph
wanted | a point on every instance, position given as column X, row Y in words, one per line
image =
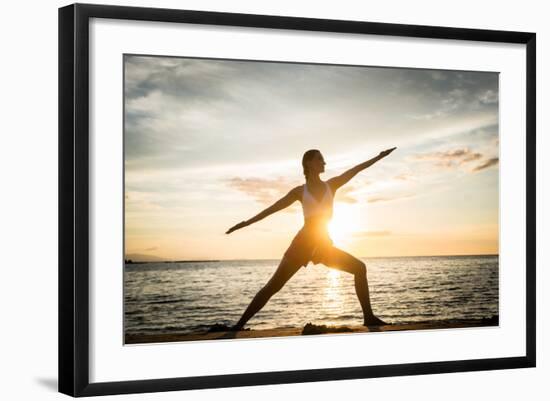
column 253, row 199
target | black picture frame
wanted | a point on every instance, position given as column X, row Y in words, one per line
column 74, row 198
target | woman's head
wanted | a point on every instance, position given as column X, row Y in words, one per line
column 313, row 162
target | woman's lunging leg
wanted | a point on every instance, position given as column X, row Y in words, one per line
column 341, row 260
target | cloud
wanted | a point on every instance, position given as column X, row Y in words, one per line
column 197, row 112
column 449, row 93
column 268, row 191
column 262, row 190
column 449, row 158
column 404, row 177
column 376, row 198
column 343, row 195
column 486, row 164
column 471, row 157
column 153, row 248
column 142, row 201
column 488, row 97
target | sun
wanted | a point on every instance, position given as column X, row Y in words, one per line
column 344, row 223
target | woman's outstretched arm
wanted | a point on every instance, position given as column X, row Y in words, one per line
column 282, row 203
column 338, row 181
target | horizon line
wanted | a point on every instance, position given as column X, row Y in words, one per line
column 251, row 259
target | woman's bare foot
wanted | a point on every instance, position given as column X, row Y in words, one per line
column 236, row 328
column 373, row 321
column 219, row 327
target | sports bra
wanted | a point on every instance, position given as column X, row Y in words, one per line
column 312, row 207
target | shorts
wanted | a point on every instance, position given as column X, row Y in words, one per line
column 309, row 245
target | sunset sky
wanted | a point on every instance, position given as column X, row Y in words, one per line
column 209, row 143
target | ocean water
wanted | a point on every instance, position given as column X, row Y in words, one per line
column 190, row 297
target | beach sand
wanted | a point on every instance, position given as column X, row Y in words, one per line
column 309, row 329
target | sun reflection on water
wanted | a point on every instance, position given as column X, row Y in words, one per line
column 333, row 300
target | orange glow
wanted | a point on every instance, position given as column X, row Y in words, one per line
column 344, row 224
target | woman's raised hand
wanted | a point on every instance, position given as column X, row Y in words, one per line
column 236, row 227
column 386, row 152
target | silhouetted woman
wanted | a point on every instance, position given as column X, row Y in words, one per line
column 312, row 242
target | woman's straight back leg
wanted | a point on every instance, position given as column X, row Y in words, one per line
column 285, row 270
